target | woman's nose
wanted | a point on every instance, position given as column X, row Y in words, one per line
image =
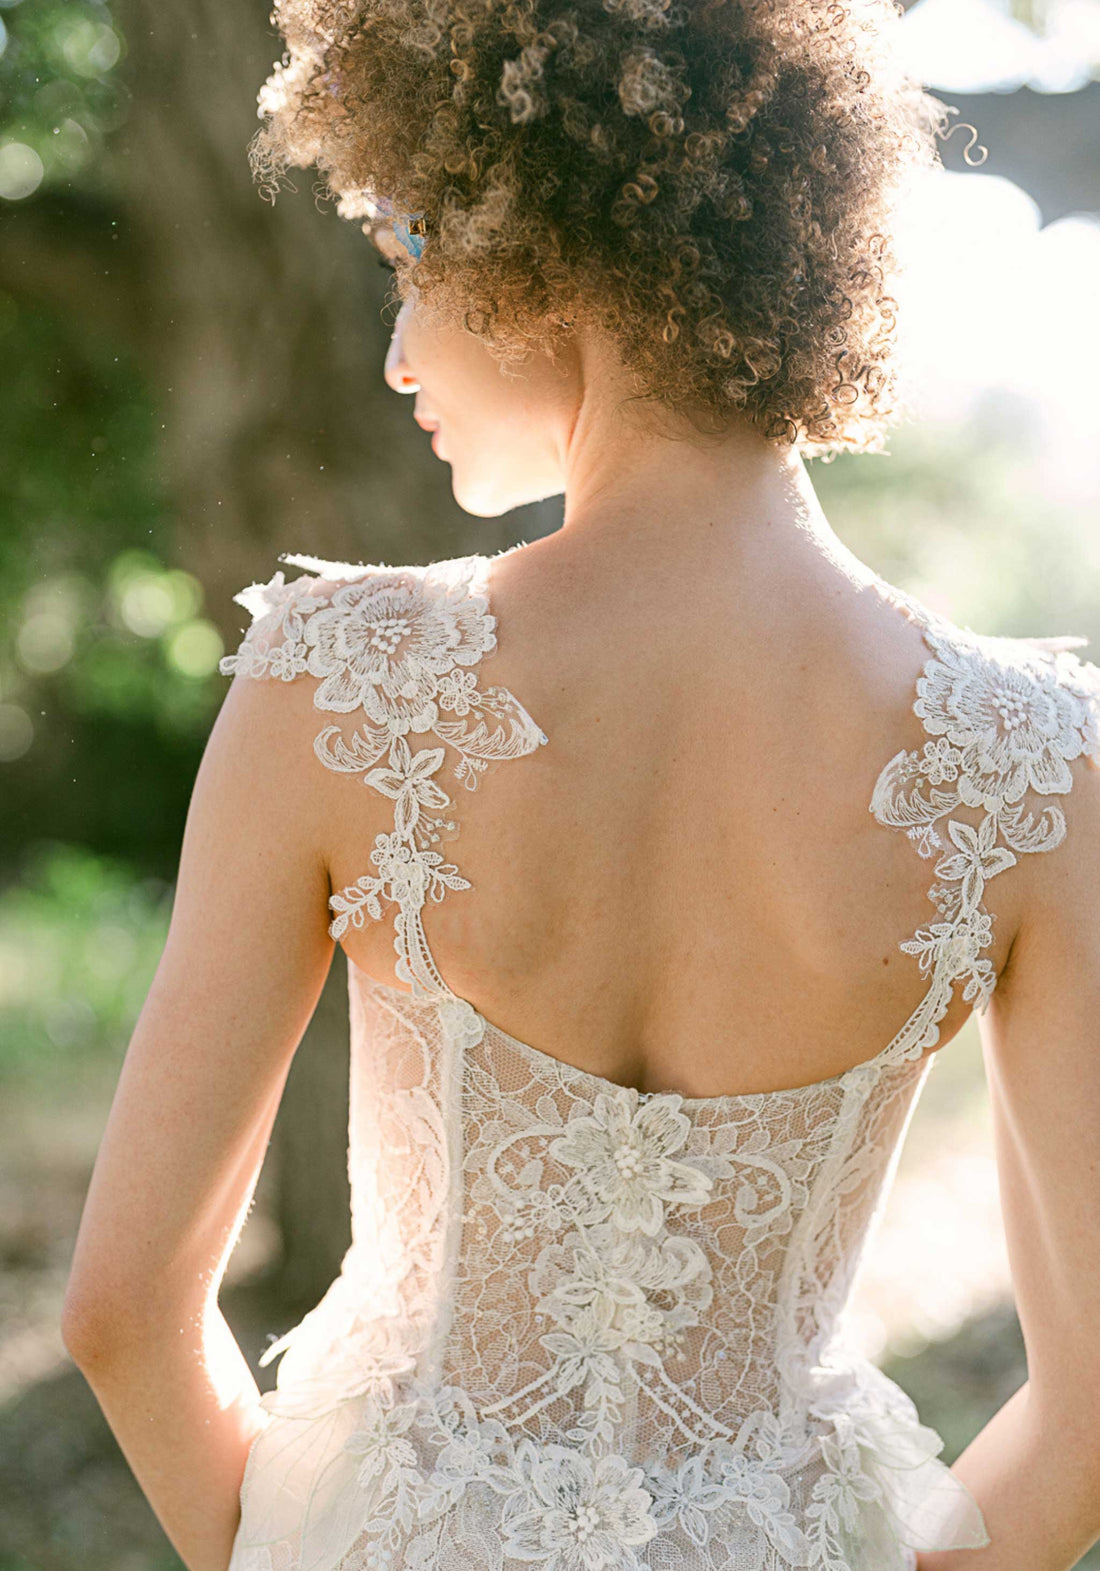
column 397, row 372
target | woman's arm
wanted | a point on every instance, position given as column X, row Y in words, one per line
column 1035, row 1467
column 247, row 954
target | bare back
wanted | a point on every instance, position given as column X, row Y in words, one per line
column 685, row 889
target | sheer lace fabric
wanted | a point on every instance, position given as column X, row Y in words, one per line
column 580, row 1326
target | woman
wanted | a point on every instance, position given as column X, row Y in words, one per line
column 622, row 1113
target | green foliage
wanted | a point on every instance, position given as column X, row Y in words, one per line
column 80, row 936
column 78, row 477
column 60, row 97
column 966, row 517
column 107, row 685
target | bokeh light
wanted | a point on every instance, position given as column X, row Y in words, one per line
column 21, row 171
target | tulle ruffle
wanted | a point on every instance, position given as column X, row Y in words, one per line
column 875, row 1493
column 919, row 1503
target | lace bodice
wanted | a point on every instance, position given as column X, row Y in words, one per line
column 582, row 1326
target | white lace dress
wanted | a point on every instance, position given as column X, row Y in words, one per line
column 581, row 1327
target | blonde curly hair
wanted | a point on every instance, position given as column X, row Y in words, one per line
column 711, row 182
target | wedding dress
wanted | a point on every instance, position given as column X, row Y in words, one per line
column 582, row 1327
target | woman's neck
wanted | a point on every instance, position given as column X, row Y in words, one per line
column 636, row 468
column 658, row 496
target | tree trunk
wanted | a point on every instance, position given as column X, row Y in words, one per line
column 311, row 1200
column 281, row 434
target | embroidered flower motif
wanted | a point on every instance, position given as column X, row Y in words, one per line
column 645, row 1293
column 756, row 1486
column 288, row 660
column 275, row 643
column 955, row 948
column 409, row 782
column 393, row 1486
column 526, row 1212
column 1014, row 718
column 838, row 1494
column 409, row 875
column 766, row 1501
column 470, row 1454
column 456, row 690
column 379, row 1438
column 383, row 647
column 939, row 762
column 577, row 1514
column 586, row 1351
column 979, row 858
column 958, row 943
column 685, row 1496
column 472, row 1449
column 626, row 1171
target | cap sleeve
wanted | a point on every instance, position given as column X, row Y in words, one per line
column 1004, row 720
column 276, row 644
column 395, row 654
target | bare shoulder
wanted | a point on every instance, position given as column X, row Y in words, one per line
column 1041, row 1042
column 368, row 676
column 319, row 647
column 1033, row 707
column 1058, row 934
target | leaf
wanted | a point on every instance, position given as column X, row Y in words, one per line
column 1031, row 834
column 642, row 1353
column 497, row 727
column 900, row 809
column 364, row 749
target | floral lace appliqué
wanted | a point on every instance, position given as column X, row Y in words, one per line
column 395, row 648
column 1005, row 718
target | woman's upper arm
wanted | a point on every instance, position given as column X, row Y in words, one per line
column 1041, row 1040
column 247, row 954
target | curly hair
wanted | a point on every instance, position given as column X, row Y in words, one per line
column 711, row 182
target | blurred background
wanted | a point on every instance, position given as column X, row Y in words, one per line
column 192, row 384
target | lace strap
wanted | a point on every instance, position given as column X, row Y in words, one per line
column 1004, row 718
column 396, row 652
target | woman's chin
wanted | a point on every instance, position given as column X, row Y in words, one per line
column 495, row 490
column 479, row 507
column 480, row 500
